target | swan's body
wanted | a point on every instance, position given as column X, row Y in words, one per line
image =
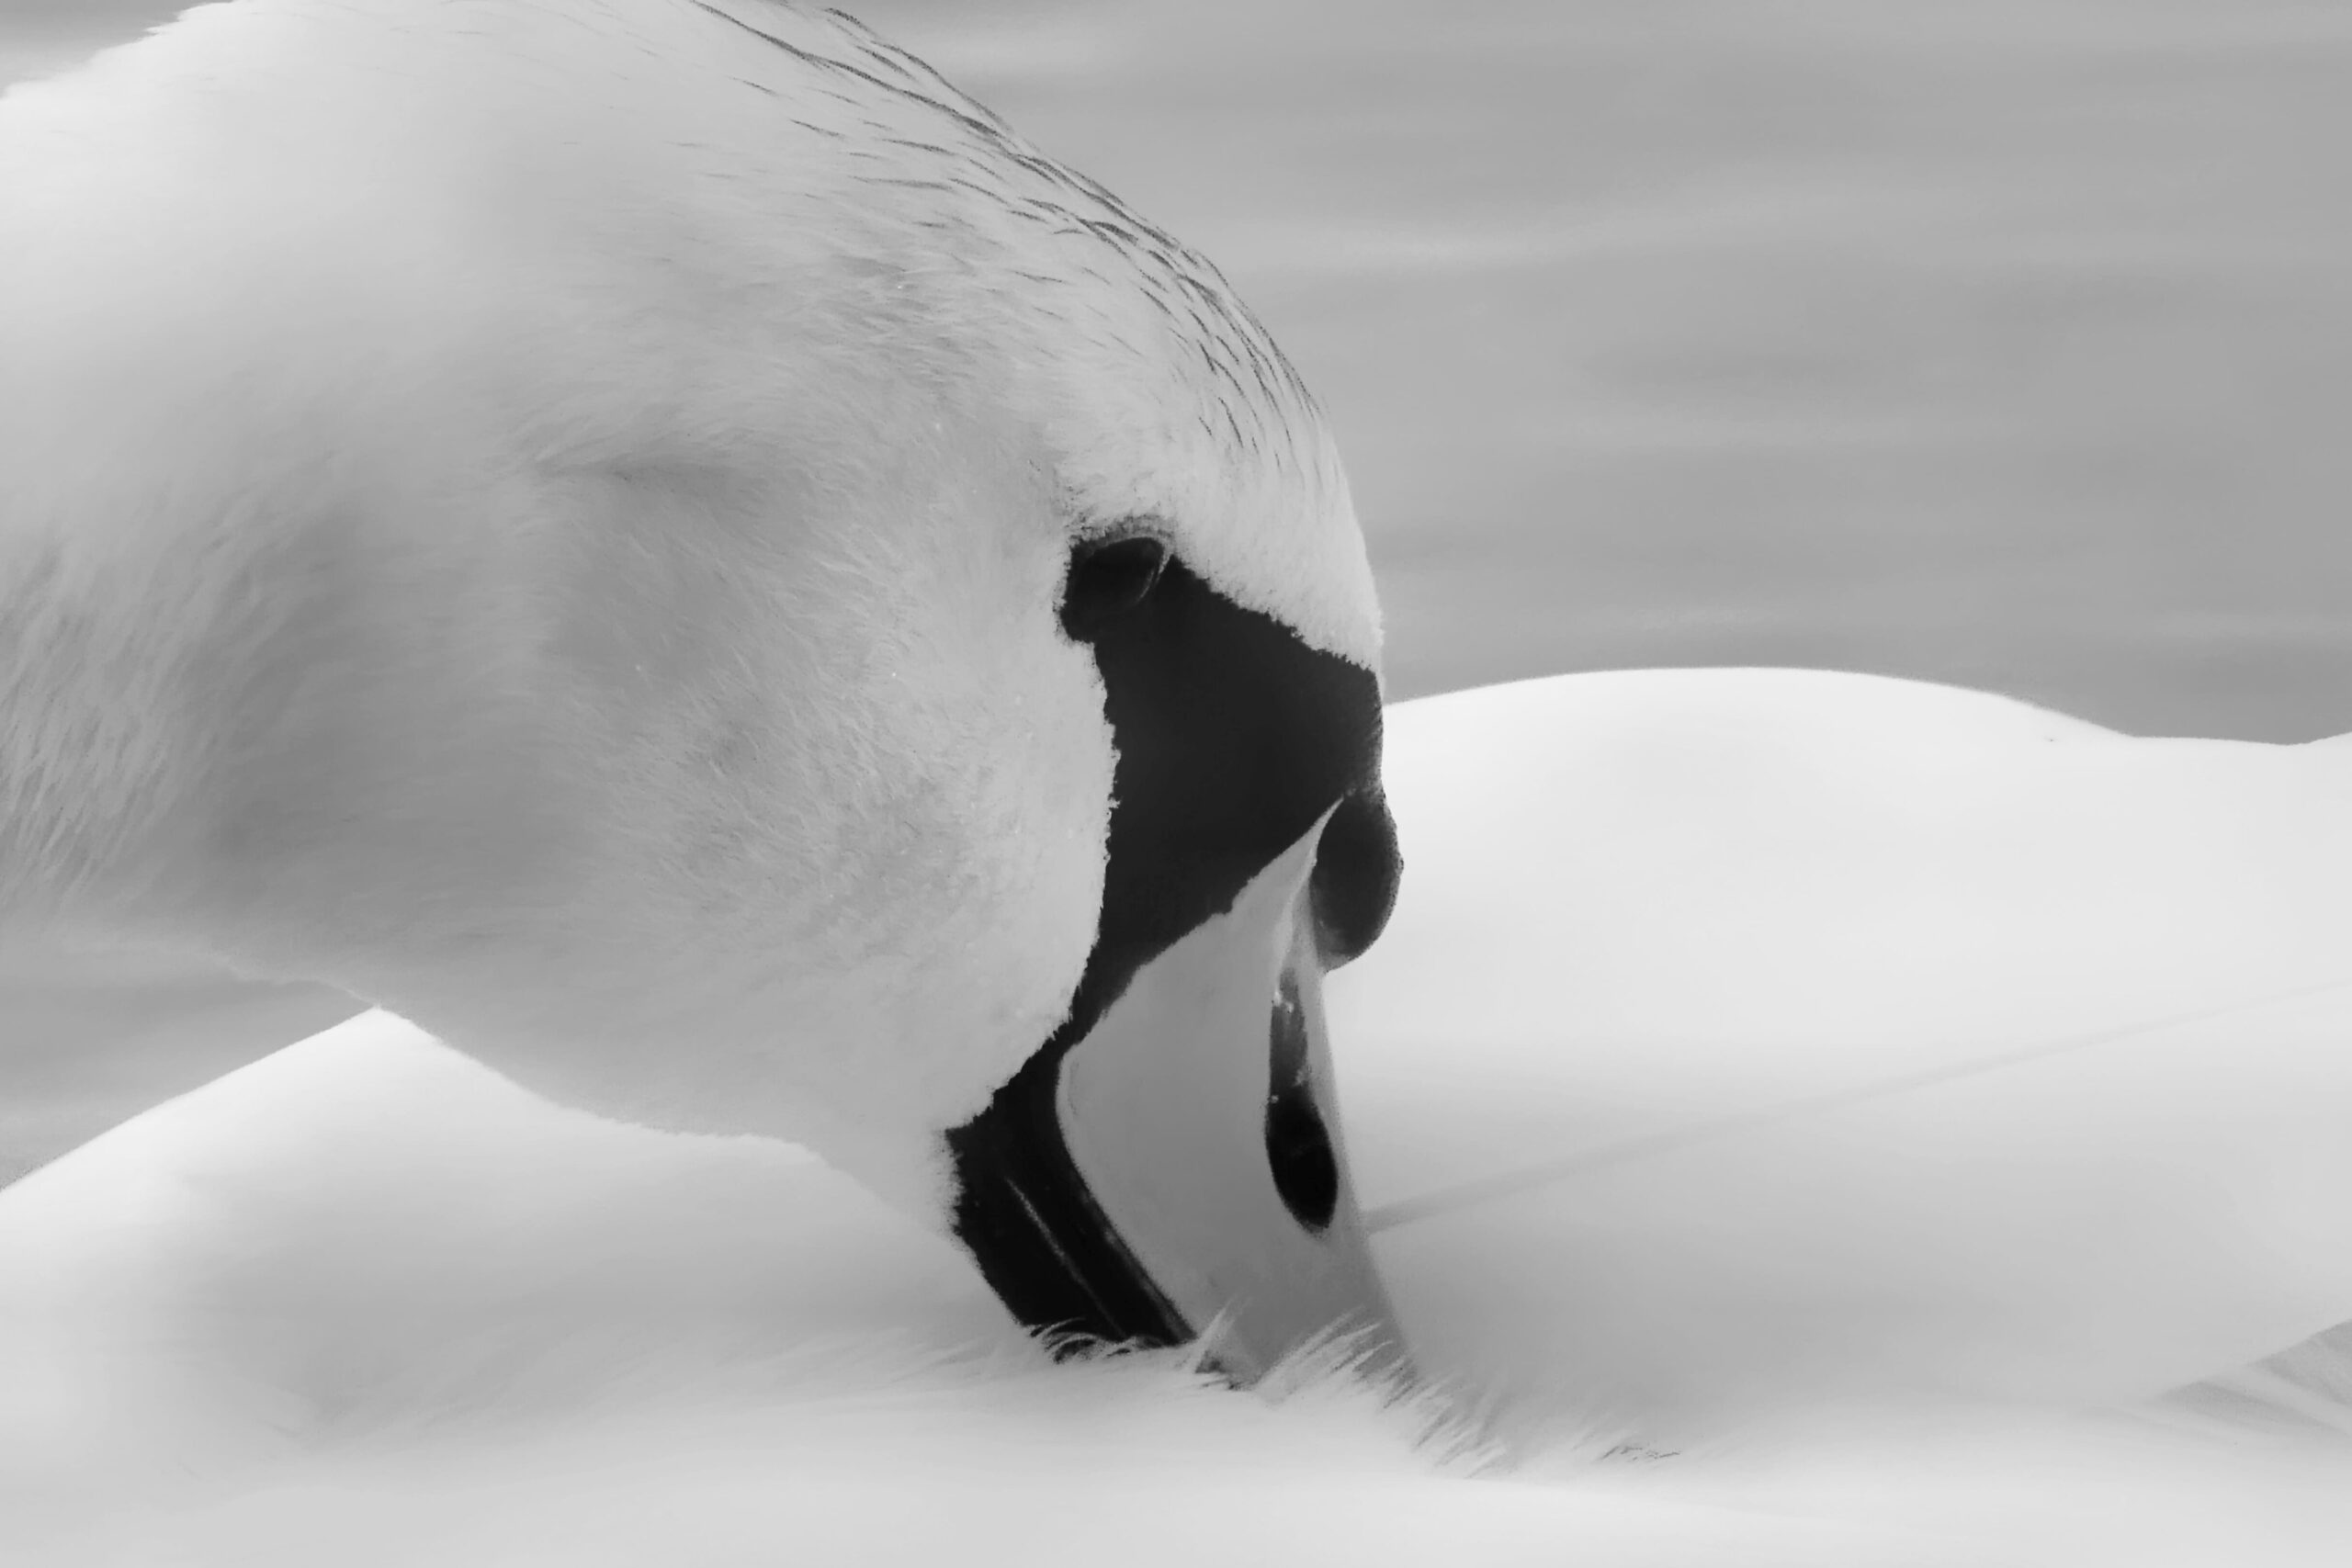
column 1840, row 1310
column 1891, row 1042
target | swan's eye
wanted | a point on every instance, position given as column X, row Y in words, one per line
column 1108, row 578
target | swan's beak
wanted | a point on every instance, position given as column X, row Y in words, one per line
column 1178, row 1170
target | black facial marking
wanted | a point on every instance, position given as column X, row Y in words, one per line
column 1234, row 736
column 1298, row 1146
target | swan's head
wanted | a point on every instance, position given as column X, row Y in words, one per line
column 705, row 571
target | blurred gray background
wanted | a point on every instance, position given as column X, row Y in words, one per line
column 2005, row 342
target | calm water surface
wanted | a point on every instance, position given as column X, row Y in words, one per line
column 2000, row 341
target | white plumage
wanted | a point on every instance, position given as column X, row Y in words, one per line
column 1806, row 1118
column 1896, row 1262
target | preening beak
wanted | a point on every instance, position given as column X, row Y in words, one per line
column 1179, row 1165
column 1170, row 1159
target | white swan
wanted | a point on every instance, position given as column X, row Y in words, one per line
column 1723, row 1096
column 661, row 542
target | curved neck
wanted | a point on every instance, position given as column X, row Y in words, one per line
column 195, row 466
column 87, row 755
column 119, row 428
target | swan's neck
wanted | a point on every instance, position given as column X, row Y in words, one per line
column 223, row 659
column 104, row 636
column 130, row 584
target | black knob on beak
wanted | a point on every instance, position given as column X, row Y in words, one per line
column 1356, row 873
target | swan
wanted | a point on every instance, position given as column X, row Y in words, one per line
column 1821, row 1118
column 662, row 543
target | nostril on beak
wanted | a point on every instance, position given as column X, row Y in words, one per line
column 1298, row 1146
column 1357, row 868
